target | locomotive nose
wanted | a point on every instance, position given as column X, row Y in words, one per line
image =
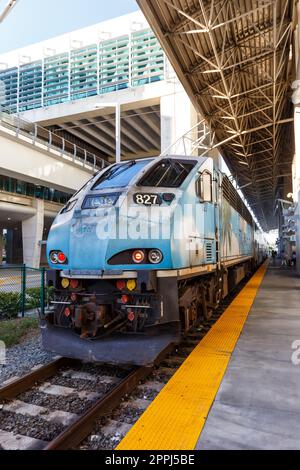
column 89, row 240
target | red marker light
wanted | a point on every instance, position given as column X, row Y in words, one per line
column 67, row 312
column 124, row 299
column 130, row 316
column 168, row 197
column 121, row 284
column 61, row 257
column 138, row 256
column 74, row 283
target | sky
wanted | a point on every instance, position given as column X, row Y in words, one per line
column 36, row 20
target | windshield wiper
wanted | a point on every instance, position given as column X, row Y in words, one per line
column 111, row 173
column 121, row 169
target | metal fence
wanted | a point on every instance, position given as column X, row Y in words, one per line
column 22, row 291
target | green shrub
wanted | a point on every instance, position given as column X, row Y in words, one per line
column 49, row 294
column 13, row 331
column 33, row 297
column 9, row 304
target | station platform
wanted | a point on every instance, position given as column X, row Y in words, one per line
column 239, row 388
column 257, row 405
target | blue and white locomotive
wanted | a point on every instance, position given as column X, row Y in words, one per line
column 145, row 250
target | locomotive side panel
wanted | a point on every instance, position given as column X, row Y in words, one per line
column 236, row 225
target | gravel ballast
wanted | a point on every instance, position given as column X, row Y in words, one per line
column 34, row 427
column 21, row 358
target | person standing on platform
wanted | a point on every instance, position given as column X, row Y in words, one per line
column 283, row 258
column 274, row 257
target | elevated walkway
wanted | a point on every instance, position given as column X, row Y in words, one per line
column 239, row 388
column 35, row 155
column 20, row 207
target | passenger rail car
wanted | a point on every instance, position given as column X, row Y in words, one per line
column 144, row 250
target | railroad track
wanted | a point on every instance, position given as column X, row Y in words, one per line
column 33, row 408
column 66, row 404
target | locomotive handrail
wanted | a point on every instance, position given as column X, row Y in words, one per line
column 181, row 141
column 200, row 139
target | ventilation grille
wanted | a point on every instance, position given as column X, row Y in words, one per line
column 234, row 199
column 208, row 251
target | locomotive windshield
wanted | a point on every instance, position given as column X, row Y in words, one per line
column 167, row 173
column 120, row 175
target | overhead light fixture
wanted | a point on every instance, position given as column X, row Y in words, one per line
column 231, row 118
column 216, row 70
column 220, row 97
column 289, row 195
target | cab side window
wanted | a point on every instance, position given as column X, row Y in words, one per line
column 204, row 186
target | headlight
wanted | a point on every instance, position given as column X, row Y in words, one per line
column 53, row 257
column 94, row 202
column 68, row 207
column 58, row 257
column 155, row 256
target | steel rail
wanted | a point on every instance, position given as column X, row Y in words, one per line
column 82, row 427
column 22, row 384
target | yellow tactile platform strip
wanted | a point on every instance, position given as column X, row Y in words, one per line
column 176, row 417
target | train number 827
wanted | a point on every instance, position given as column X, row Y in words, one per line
column 147, row 199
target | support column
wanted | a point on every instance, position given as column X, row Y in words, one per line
column 118, row 133
column 32, row 232
column 296, row 182
column 2, row 246
column 13, row 245
column 178, row 116
column 296, row 162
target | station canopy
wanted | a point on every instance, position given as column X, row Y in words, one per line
column 235, row 60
